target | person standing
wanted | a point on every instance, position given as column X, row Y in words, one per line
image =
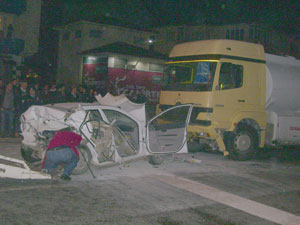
column 53, row 94
column 92, row 95
column 62, row 150
column 16, row 84
column 2, row 90
column 8, row 112
column 83, row 95
column 37, row 88
column 61, row 93
column 44, row 95
column 16, row 90
column 10, row 31
column 21, row 94
column 73, row 95
column 32, row 98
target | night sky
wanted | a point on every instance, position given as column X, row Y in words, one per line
column 279, row 14
column 283, row 15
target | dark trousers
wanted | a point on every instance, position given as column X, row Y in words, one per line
column 7, row 122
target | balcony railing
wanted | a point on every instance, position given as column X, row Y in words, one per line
column 11, row 46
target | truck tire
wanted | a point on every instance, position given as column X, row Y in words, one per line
column 242, row 143
column 82, row 167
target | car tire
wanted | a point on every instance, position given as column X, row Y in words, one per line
column 155, row 160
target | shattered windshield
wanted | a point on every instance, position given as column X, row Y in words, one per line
column 197, row 76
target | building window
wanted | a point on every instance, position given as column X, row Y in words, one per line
column 196, row 35
column 120, row 63
column 269, row 36
column 258, row 34
column 180, row 33
column 1, row 23
column 232, row 34
column 237, row 35
column 171, row 36
column 153, row 67
column 138, row 40
column 78, row 34
column 255, row 33
column 227, row 34
column 95, row 34
column 66, row 36
column 242, row 34
column 1, row 27
column 188, row 36
column 251, row 32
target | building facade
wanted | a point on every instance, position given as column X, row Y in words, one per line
column 88, row 53
column 120, row 68
column 19, row 34
column 273, row 41
column 79, row 36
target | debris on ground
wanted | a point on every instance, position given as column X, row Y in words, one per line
column 192, row 160
column 18, row 169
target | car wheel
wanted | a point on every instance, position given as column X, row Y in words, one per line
column 155, row 160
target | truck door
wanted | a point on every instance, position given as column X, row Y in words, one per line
column 229, row 97
column 167, row 132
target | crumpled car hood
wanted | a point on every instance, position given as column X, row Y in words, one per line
column 49, row 117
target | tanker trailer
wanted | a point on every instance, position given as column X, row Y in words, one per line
column 282, row 101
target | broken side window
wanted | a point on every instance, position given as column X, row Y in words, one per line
column 127, row 126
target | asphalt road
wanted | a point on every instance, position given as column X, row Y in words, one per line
column 198, row 188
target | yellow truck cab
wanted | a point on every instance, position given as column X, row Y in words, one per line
column 226, row 82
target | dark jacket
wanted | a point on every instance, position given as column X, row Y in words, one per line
column 72, row 98
column 30, row 100
column 20, row 96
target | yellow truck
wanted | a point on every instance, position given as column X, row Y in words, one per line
column 243, row 98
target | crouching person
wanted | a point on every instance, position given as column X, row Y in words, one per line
column 62, row 150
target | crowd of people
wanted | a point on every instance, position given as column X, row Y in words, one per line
column 18, row 95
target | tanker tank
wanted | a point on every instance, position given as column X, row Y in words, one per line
column 282, row 84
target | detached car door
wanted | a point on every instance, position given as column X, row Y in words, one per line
column 167, row 132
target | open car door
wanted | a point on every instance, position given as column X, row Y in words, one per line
column 167, row 132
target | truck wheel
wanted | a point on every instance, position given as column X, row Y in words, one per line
column 82, row 167
column 242, row 143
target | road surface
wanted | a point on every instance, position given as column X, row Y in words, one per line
column 198, row 188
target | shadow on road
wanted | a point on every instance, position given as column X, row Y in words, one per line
column 290, row 155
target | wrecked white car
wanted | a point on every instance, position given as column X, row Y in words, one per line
column 114, row 130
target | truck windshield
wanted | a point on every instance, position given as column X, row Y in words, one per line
column 190, row 76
